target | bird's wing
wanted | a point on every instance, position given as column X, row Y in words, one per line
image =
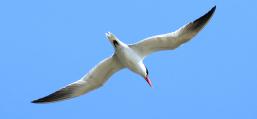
column 174, row 39
column 92, row 80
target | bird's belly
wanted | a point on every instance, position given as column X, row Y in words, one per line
column 129, row 59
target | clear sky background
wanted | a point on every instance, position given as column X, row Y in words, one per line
column 45, row 45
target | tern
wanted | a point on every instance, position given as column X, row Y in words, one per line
column 128, row 56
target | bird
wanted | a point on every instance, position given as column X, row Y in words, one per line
column 129, row 56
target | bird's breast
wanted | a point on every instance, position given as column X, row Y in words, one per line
column 128, row 58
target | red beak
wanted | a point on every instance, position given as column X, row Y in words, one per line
column 148, row 81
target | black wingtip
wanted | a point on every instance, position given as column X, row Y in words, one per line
column 213, row 9
column 37, row 101
column 62, row 94
column 47, row 99
column 34, row 101
column 208, row 15
column 57, row 96
column 44, row 101
column 199, row 23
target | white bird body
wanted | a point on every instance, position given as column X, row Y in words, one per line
column 128, row 56
column 130, row 59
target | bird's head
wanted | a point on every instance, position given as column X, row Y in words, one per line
column 144, row 73
column 147, row 77
column 113, row 39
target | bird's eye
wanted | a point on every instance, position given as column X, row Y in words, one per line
column 115, row 43
column 146, row 71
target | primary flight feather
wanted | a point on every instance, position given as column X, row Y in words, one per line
column 128, row 56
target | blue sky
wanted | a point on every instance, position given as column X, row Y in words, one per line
column 45, row 45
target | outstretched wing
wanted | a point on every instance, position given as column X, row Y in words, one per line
column 174, row 39
column 92, row 80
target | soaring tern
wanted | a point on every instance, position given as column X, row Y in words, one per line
column 128, row 56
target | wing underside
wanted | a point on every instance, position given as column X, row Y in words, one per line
column 94, row 79
column 174, row 39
